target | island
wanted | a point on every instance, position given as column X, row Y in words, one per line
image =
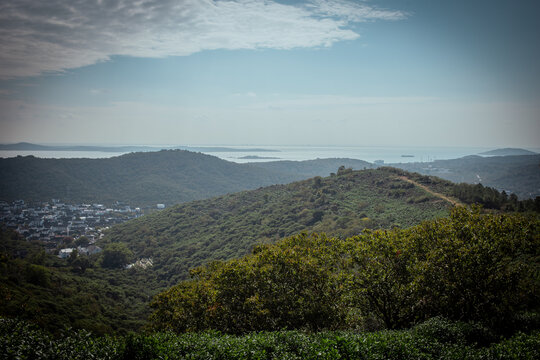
column 507, row 152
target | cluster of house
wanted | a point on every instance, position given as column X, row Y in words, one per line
column 52, row 222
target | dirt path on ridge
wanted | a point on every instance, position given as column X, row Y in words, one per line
column 439, row 195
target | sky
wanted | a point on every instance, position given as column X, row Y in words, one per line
column 268, row 72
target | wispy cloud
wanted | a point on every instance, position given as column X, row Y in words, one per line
column 55, row 35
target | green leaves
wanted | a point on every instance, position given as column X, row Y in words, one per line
column 435, row 339
column 471, row 266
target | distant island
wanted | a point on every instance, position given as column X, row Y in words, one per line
column 25, row 146
column 507, row 152
column 255, row 157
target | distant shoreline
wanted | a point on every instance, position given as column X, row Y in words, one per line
column 24, row 146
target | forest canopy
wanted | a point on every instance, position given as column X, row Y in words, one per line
column 471, row 266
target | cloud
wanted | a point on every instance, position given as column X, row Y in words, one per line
column 54, row 35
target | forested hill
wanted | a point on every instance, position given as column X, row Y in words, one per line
column 518, row 174
column 146, row 178
column 188, row 235
column 143, row 178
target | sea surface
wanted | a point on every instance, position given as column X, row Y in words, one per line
column 388, row 154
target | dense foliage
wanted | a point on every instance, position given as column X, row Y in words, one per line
column 138, row 178
column 434, row 339
column 146, row 178
column 471, row 266
column 493, row 199
column 189, row 235
column 76, row 292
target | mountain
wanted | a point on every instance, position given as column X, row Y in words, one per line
column 101, row 294
column 508, row 152
column 147, row 178
column 188, row 235
column 514, row 174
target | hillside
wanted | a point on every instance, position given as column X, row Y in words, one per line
column 57, row 293
column 188, row 235
column 514, row 174
column 148, row 178
column 144, row 178
column 98, row 293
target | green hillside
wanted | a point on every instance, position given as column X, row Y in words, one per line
column 144, row 178
column 470, row 266
column 191, row 234
column 56, row 294
column 98, row 293
column 148, row 178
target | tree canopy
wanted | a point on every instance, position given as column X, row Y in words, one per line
column 470, row 266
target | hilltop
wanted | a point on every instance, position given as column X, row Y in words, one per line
column 191, row 234
column 144, row 178
column 147, row 178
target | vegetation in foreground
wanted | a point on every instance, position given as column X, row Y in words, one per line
column 463, row 287
column 471, row 266
column 436, row 338
column 99, row 294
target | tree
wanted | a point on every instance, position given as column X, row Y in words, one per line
column 82, row 241
column 116, row 255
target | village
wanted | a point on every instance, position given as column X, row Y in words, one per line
column 61, row 227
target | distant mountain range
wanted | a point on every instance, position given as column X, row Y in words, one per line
column 176, row 176
column 25, row 146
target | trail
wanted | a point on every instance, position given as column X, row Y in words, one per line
column 439, row 195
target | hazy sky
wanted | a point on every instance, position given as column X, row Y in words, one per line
column 401, row 72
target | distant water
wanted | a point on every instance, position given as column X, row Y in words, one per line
column 297, row 153
column 59, row 154
column 370, row 154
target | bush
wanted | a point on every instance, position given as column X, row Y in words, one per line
column 19, row 340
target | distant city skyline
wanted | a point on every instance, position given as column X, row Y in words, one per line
column 254, row 72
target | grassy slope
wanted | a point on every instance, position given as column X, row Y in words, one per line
column 226, row 227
